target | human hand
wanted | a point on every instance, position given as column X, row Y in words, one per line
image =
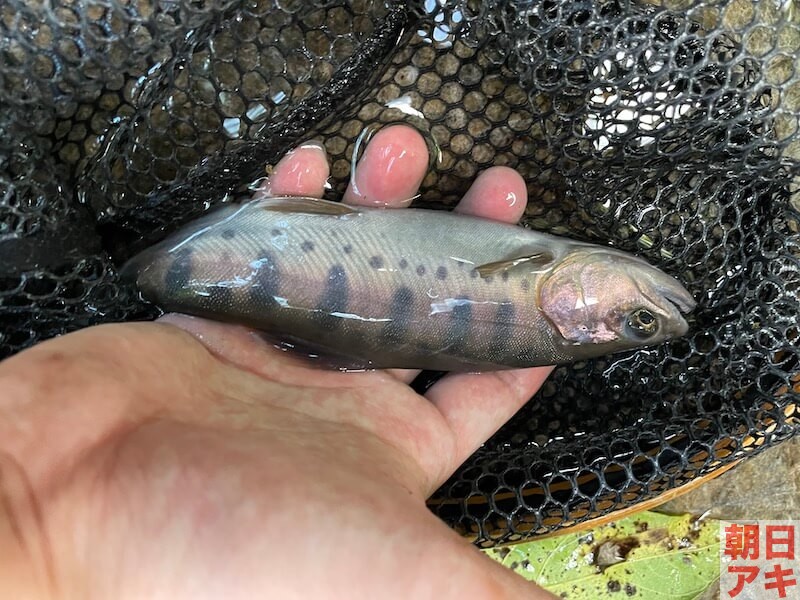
column 191, row 459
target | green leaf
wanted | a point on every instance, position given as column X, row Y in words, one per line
column 647, row 555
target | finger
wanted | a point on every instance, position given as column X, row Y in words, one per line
column 499, row 193
column 251, row 351
column 486, row 578
column 470, row 573
column 301, row 172
column 404, row 375
column 476, row 405
column 256, row 352
column 391, row 169
column 389, row 174
column 304, row 171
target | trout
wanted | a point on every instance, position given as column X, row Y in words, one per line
column 411, row 288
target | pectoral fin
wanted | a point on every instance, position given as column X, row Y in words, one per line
column 537, row 260
column 304, row 204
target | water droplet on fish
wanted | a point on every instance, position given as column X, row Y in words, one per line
column 256, row 184
column 360, row 143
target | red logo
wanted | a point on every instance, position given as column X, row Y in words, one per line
column 758, row 560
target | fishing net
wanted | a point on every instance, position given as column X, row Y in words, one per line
column 668, row 129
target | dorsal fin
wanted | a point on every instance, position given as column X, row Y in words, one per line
column 534, row 259
column 305, row 204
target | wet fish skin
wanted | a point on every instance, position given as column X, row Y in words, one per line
column 410, row 288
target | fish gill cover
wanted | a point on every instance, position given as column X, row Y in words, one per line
column 668, row 129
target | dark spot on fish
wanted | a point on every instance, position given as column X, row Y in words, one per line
column 400, row 314
column 421, row 270
column 266, row 284
column 334, row 299
column 376, row 262
column 307, row 246
column 180, row 271
column 229, row 234
column 276, row 232
column 403, row 263
column 474, row 274
column 614, row 586
column 220, row 298
column 488, row 279
column 526, row 285
column 630, row 590
column 457, row 331
column 441, row 273
column 503, row 326
column 504, row 276
column 347, row 249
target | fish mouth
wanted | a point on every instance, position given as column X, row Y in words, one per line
column 679, row 327
column 677, row 295
column 675, row 298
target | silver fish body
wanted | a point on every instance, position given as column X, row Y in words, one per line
column 410, row 288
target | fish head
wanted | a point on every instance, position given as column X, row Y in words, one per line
column 602, row 301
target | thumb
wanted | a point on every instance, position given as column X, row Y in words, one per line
column 463, row 571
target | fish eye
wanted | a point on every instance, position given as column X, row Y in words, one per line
column 642, row 323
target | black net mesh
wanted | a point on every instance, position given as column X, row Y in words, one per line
column 669, row 129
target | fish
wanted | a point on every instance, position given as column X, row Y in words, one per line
column 412, row 288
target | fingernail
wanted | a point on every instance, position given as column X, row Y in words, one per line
column 302, row 171
column 392, row 167
column 316, row 144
